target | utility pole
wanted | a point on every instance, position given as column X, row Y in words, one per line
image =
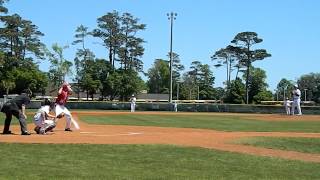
column 198, row 93
column 305, row 94
column 284, row 92
column 178, row 90
column 172, row 16
column 277, row 94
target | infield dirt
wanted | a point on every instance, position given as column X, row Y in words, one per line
column 118, row 134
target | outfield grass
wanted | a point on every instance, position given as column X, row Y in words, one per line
column 84, row 161
column 306, row 145
column 14, row 120
column 216, row 122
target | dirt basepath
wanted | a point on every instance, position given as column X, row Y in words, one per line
column 111, row 134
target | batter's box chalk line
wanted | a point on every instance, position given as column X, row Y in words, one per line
column 117, row 134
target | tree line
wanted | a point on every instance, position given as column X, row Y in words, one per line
column 116, row 76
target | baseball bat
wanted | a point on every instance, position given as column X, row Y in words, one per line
column 74, row 122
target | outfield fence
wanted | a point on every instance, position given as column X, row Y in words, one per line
column 182, row 107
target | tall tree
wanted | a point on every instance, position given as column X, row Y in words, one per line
column 158, row 76
column 109, row 31
column 219, row 93
column 60, row 67
column 30, row 77
column 124, row 83
column 206, row 81
column 188, row 87
column 89, row 84
column 20, row 37
column 30, row 37
column 257, row 82
column 119, row 36
column 80, row 36
column 309, row 85
column 202, row 80
column 225, row 56
column 176, row 71
column 2, row 8
column 8, row 83
column 82, row 54
column 103, row 70
column 235, row 93
column 284, row 89
column 245, row 41
column 132, row 48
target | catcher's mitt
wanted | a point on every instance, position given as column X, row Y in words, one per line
column 60, row 115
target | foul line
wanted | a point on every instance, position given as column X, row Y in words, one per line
column 106, row 135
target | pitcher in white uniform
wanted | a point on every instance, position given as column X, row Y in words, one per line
column 296, row 94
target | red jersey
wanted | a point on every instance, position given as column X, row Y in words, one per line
column 62, row 97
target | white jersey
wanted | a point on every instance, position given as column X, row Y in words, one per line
column 133, row 100
column 287, row 103
column 296, row 94
column 38, row 118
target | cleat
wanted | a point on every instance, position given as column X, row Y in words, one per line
column 7, row 132
column 25, row 133
column 37, row 129
column 68, row 129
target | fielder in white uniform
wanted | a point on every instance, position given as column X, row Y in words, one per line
column 133, row 103
column 296, row 94
column 175, row 106
column 43, row 120
column 287, row 106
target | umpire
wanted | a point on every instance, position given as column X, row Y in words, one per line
column 16, row 107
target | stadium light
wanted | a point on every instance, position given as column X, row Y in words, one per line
column 178, row 82
column 284, row 92
column 172, row 16
column 305, row 94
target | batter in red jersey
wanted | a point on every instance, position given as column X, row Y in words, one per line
column 60, row 108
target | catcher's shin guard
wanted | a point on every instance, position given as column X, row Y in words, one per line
column 50, row 127
column 47, row 127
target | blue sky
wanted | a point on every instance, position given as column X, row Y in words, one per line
column 290, row 29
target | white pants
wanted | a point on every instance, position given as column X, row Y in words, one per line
column 46, row 123
column 296, row 104
column 133, row 107
column 62, row 109
column 175, row 108
column 37, row 120
column 288, row 110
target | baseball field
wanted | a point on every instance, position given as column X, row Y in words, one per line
column 166, row 145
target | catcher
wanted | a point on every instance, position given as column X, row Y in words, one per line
column 43, row 120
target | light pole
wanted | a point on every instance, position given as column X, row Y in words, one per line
column 284, row 92
column 178, row 90
column 172, row 16
column 277, row 94
column 198, row 92
column 305, row 94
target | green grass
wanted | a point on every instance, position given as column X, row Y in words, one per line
column 14, row 120
column 84, row 161
column 306, row 145
column 216, row 122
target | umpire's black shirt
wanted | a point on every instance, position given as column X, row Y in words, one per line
column 16, row 103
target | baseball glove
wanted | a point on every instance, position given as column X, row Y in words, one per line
column 60, row 115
